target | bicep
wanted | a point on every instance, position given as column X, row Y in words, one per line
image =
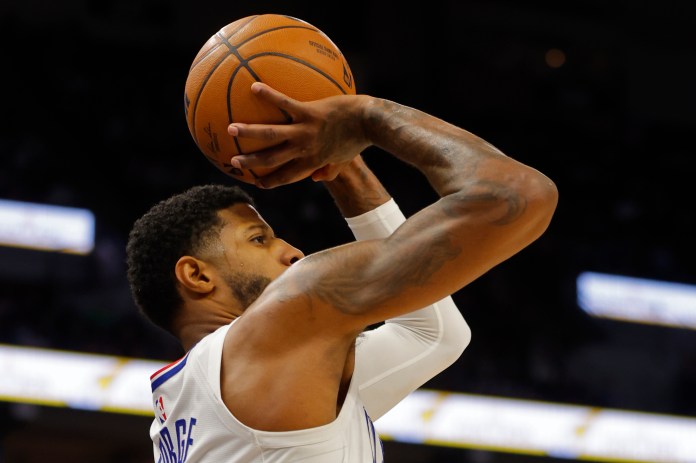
column 423, row 261
column 433, row 254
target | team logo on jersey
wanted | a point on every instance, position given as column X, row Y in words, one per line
column 159, row 408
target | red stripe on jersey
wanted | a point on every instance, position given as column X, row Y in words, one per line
column 165, row 367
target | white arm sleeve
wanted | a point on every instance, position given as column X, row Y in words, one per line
column 400, row 356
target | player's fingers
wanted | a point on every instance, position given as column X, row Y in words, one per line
column 327, row 173
column 320, row 174
column 293, row 171
column 275, row 97
column 267, row 132
column 267, row 158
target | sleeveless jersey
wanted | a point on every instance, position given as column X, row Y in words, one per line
column 192, row 424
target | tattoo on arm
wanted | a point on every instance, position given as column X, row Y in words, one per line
column 512, row 207
column 463, row 169
column 410, row 262
column 412, row 268
column 444, row 153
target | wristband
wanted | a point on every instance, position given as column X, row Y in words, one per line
column 380, row 222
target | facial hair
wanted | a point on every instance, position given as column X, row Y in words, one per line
column 246, row 287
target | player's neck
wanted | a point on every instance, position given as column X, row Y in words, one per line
column 190, row 330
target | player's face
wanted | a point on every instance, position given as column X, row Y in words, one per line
column 253, row 255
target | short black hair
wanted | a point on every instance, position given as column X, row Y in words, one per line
column 177, row 226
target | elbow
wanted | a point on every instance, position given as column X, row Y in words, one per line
column 541, row 198
column 463, row 339
column 546, row 194
column 456, row 338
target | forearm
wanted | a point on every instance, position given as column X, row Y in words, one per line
column 356, row 190
column 451, row 158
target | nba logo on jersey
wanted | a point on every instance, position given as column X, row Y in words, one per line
column 159, row 407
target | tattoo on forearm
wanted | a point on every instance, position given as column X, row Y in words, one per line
column 443, row 152
column 513, row 204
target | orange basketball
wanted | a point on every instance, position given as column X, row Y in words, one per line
column 286, row 53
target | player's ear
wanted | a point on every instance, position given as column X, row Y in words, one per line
column 193, row 274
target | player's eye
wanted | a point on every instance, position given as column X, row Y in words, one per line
column 260, row 239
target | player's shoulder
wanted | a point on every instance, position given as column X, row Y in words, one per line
column 167, row 372
column 200, row 352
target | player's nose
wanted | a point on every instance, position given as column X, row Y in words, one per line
column 290, row 254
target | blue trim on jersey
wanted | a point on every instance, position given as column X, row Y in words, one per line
column 373, row 438
column 161, row 380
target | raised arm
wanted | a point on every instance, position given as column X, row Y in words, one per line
column 491, row 207
column 393, row 360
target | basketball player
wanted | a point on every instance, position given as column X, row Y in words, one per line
column 280, row 366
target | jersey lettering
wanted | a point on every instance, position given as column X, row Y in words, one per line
column 176, row 452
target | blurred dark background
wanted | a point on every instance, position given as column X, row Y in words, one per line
column 598, row 95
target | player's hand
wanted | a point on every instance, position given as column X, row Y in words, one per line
column 324, row 136
column 329, row 172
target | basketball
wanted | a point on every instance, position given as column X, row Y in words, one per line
column 286, row 53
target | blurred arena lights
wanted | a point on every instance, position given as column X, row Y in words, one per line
column 76, row 380
column 555, row 58
column 637, row 299
column 46, row 227
column 121, row 385
column 539, row 428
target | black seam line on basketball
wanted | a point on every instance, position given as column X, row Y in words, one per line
column 229, row 107
column 218, row 44
column 273, row 29
column 230, row 119
column 208, row 53
column 241, row 26
column 236, row 143
column 258, row 33
column 248, row 38
column 200, row 92
column 232, row 49
column 297, row 60
column 243, row 63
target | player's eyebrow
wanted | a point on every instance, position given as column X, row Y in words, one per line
column 258, row 226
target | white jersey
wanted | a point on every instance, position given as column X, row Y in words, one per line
column 193, row 425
